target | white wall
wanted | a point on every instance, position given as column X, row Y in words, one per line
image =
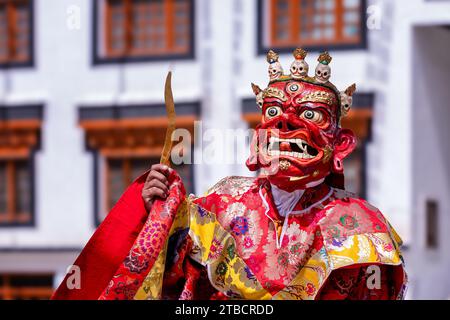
column 390, row 162
column 431, row 158
column 394, row 165
column 63, row 79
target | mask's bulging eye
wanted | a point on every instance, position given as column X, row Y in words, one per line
column 273, row 112
column 312, row 115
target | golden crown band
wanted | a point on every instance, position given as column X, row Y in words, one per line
column 271, row 92
column 317, row 96
column 299, row 71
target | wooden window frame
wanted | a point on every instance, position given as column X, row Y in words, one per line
column 9, row 292
column 112, row 133
column 127, row 176
column 28, row 61
column 432, row 224
column 12, row 216
column 20, row 134
column 265, row 32
column 101, row 38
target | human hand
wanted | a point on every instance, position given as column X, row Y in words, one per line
column 156, row 185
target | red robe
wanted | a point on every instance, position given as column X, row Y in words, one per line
column 235, row 245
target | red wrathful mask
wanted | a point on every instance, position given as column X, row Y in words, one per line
column 299, row 142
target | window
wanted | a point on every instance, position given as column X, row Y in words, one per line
column 15, row 190
column 120, row 173
column 25, row 287
column 147, row 28
column 312, row 24
column 432, row 224
column 20, row 129
column 126, row 141
column 15, row 31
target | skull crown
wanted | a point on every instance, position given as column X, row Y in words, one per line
column 299, row 71
column 275, row 68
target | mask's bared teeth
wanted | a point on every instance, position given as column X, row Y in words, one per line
column 311, row 151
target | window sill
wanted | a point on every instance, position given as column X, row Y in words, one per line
column 14, row 65
column 137, row 59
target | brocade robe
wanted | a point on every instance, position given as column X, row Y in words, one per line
column 232, row 244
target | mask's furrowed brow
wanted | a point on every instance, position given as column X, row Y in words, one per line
column 320, row 106
column 311, row 105
column 272, row 102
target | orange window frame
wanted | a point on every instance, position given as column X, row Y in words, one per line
column 17, row 140
column 10, row 7
column 171, row 47
column 12, row 215
column 127, row 175
column 126, row 139
column 294, row 25
column 10, row 292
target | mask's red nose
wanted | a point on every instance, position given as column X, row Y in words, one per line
column 284, row 124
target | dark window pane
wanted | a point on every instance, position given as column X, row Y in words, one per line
column 31, row 281
column 23, row 187
column 283, row 4
column 139, row 166
column 432, row 224
column 26, row 287
column 116, row 181
column 3, row 194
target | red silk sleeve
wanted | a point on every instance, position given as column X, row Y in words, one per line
column 351, row 283
column 108, row 247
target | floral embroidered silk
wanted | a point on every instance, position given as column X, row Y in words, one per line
column 233, row 244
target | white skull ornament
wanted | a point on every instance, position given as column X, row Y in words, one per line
column 259, row 94
column 323, row 70
column 323, row 73
column 275, row 71
column 275, row 68
column 346, row 104
column 347, row 99
column 299, row 67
